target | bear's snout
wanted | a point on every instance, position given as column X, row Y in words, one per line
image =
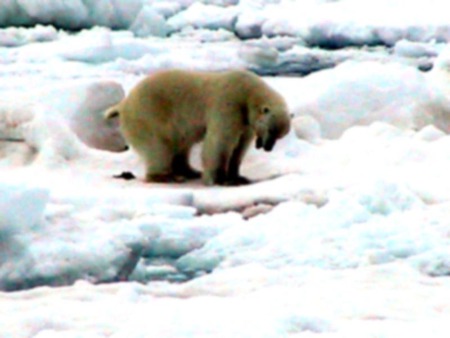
column 267, row 143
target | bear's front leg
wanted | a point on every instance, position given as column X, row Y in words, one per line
column 233, row 177
column 216, row 154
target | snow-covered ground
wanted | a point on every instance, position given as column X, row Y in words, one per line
column 345, row 232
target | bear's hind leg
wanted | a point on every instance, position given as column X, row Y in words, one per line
column 159, row 158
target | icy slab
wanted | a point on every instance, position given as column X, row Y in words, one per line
column 49, row 256
column 82, row 104
column 365, row 92
column 412, row 49
column 365, row 303
column 307, row 128
column 21, row 207
column 292, row 231
column 99, row 238
column 150, row 23
column 270, row 192
column 331, row 24
column 360, row 219
column 178, row 236
column 200, row 15
column 56, row 120
column 101, row 45
column 74, row 55
column 13, row 37
column 142, row 223
column 69, row 15
column 22, row 211
column 438, row 80
column 380, row 236
column 342, row 23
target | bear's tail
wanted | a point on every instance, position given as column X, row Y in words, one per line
column 112, row 112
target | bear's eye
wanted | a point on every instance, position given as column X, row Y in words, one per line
column 266, row 110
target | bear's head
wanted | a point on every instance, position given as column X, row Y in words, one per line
column 272, row 123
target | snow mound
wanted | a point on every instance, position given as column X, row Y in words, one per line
column 359, row 93
column 296, row 234
column 82, row 104
column 269, row 192
column 331, row 24
column 150, row 23
column 439, row 81
column 70, row 15
column 58, row 121
column 22, row 208
column 336, row 24
column 22, row 211
column 13, row 36
column 204, row 16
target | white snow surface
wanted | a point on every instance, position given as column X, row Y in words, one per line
column 344, row 232
column 323, row 22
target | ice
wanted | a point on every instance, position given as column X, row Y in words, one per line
column 70, row 15
column 430, row 133
column 297, row 234
column 372, row 90
column 101, row 45
column 55, row 120
column 332, row 24
column 180, row 236
column 249, row 23
column 272, row 192
column 307, row 128
column 204, row 16
column 87, row 101
column 343, row 232
column 93, row 250
column 438, row 80
column 415, row 49
column 21, row 207
column 434, row 263
column 12, row 37
column 113, row 13
column 349, row 22
column 22, row 211
column 167, row 8
column 149, row 23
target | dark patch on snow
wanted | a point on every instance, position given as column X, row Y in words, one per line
column 126, row 175
column 426, row 66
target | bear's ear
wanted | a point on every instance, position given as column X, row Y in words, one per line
column 111, row 113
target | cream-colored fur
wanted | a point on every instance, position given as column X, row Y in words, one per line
column 169, row 111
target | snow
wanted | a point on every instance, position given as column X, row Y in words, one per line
column 343, row 233
column 149, row 23
column 13, row 36
column 350, row 22
column 21, row 207
column 49, row 118
column 364, row 92
column 204, row 16
column 324, row 23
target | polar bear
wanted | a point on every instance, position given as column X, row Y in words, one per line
column 168, row 112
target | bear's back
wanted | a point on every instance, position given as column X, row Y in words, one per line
column 168, row 94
